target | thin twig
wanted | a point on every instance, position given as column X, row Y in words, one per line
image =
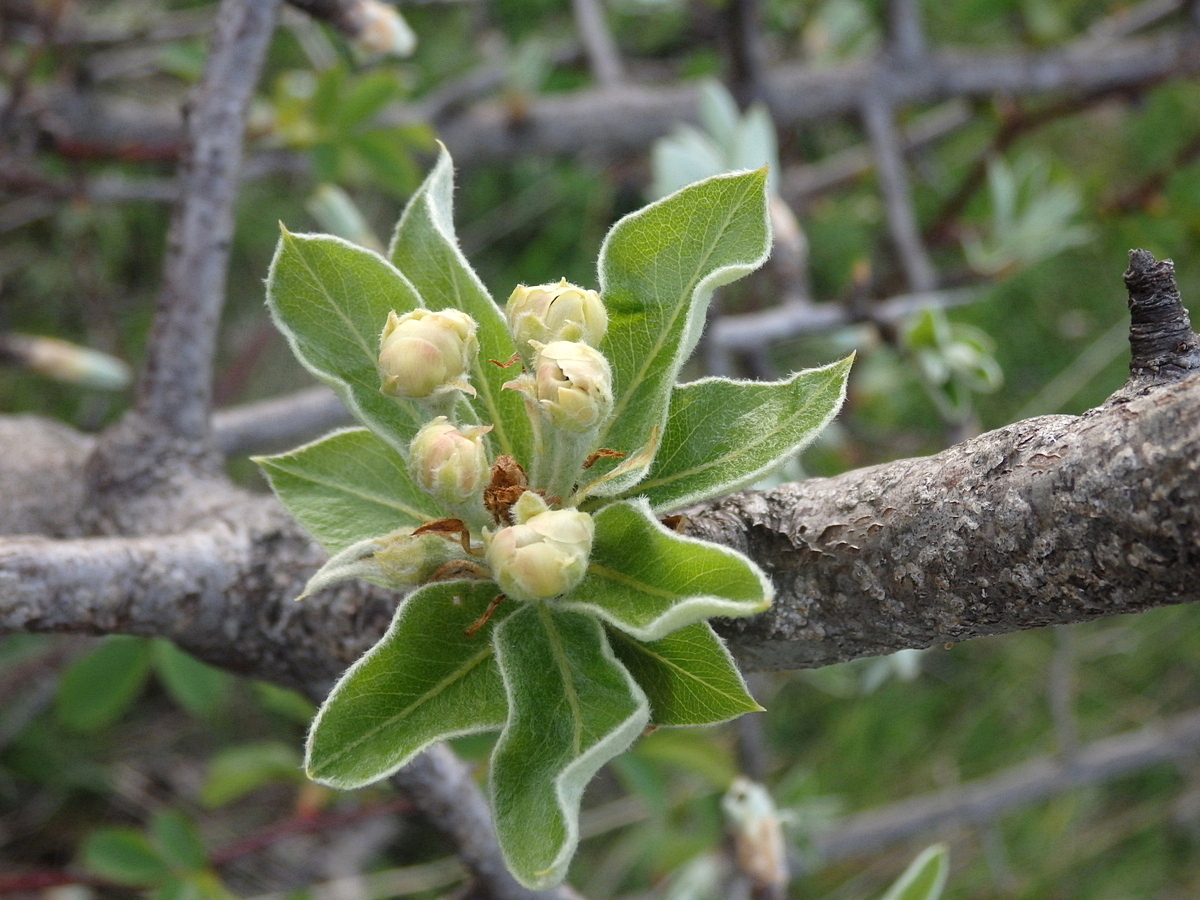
column 800, row 184
column 983, row 800
column 278, row 423
column 905, row 36
column 750, row 330
column 878, row 117
column 747, row 52
column 598, row 43
column 174, row 392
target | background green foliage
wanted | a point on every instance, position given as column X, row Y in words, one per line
column 186, row 764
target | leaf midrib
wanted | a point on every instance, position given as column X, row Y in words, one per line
column 362, row 495
column 640, row 646
column 457, row 675
column 554, row 638
column 714, row 462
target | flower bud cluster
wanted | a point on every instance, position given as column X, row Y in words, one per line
column 537, row 552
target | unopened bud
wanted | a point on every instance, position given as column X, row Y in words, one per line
column 422, row 353
column 545, row 554
column 573, row 385
column 555, row 312
column 408, row 560
column 450, row 464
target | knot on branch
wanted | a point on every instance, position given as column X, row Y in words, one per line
column 1163, row 346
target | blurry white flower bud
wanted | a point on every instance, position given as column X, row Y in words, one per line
column 572, row 385
column 423, row 352
column 555, row 312
column 382, row 30
column 450, row 464
column 545, row 554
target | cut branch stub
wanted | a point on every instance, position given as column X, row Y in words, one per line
column 1163, row 346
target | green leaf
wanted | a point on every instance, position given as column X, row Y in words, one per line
column 195, row 686
column 330, row 298
column 649, row 581
column 572, row 707
column 123, row 855
column 426, row 250
column 99, row 687
column 689, row 676
column 177, row 839
column 423, row 682
column 722, row 435
column 347, row 487
column 235, row 771
column 658, row 269
column 925, row 878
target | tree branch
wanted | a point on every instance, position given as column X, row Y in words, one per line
column 983, row 800
column 1049, row 521
column 626, row 119
column 279, row 423
column 879, row 119
column 174, row 392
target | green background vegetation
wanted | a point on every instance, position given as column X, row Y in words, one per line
column 135, row 730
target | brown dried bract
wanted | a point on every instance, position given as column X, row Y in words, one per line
column 675, row 523
column 508, row 483
column 487, row 614
column 458, row 568
column 602, row 453
column 512, row 360
column 448, row 528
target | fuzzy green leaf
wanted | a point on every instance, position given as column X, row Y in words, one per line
column 689, row 676
column 426, row 250
column 347, row 487
column 572, row 708
column 722, row 435
column 658, row 269
column 423, row 682
column 648, row 581
column 331, row 299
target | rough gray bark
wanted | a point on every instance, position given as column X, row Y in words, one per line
column 176, row 383
column 1048, row 521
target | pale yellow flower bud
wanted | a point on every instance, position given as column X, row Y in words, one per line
column 448, row 463
column 422, row 353
column 572, row 385
column 545, row 554
column 555, row 312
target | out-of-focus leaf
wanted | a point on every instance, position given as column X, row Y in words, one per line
column 100, row 686
column 123, row 855
column 925, row 878
column 195, row 686
column 235, row 771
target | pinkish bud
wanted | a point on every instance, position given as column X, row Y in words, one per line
column 423, row 353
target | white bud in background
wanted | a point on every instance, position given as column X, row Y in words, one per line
column 448, row 463
column 555, row 312
column 545, row 554
column 422, row 353
column 572, row 385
